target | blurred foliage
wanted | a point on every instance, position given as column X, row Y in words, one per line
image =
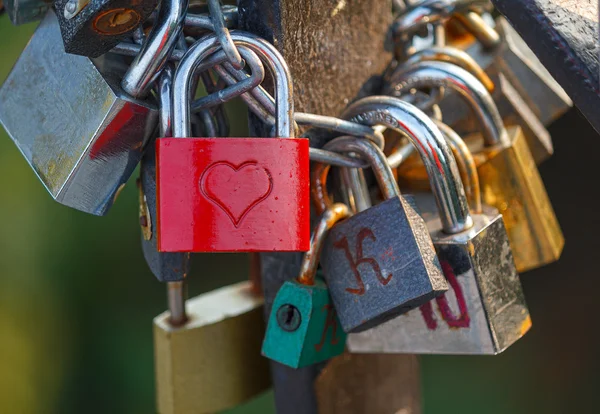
column 77, row 300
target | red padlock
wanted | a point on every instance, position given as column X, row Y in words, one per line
column 232, row 194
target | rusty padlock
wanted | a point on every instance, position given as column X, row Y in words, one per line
column 303, row 328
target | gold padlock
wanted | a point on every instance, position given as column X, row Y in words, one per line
column 508, row 175
column 207, row 352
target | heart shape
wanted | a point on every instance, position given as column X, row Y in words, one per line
column 236, row 189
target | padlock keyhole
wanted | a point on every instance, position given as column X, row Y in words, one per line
column 288, row 317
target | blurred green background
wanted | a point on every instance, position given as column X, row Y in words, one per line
column 77, row 300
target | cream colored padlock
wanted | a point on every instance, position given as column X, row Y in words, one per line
column 207, row 350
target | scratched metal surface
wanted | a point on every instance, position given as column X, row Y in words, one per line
column 564, row 36
column 71, row 124
column 486, row 311
column 379, row 264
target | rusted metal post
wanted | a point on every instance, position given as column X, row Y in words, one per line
column 336, row 51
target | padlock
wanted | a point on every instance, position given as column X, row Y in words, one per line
column 399, row 269
column 81, row 134
column 509, row 178
column 167, row 267
column 370, row 383
column 26, row 11
column 93, row 27
column 233, row 194
column 293, row 388
column 303, row 327
column 487, row 312
column 210, row 361
column 515, row 60
column 416, row 19
column 511, row 105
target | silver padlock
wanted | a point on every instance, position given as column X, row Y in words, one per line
column 80, row 132
column 486, row 312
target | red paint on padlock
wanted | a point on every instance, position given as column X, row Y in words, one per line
column 232, row 194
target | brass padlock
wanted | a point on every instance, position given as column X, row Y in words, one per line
column 508, row 175
column 207, row 359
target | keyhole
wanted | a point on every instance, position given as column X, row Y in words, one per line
column 288, row 317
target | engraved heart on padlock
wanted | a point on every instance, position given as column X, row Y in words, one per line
column 236, row 189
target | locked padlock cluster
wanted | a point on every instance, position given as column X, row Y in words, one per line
column 426, row 199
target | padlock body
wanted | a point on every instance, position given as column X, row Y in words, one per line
column 233, row 194
column 307, row 337
column 524, row 71
column 26, row 11
column 381, row 263
column 81, row 135
column 213, row 362
column 511, row 182
column 167, row 267
column 101, row 24
column 483, row 313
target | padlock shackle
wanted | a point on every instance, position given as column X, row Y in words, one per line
column 164, row 90
column 205, row 47
column 375, row 158
column 466, row 165
column 430, row 12
column 333, row 214
column 431, row 145
column 452, row 55
column 440, row 74
column 156, row 49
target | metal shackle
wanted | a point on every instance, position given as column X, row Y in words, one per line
column 369, row 152
column 430, row 12
column 308, row 268
column 157, row 48
column 435, row 74
column 452, row 55
column 164, row 92
column 431, row 145
column 466, row 165
column 205, row 47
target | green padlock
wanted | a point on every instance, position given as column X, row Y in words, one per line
column 303, row 327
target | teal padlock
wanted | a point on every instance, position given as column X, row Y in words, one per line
column 303, row 327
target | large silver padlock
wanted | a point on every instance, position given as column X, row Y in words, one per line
column 80, row 132
column 379, row 263
column 486, row 312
